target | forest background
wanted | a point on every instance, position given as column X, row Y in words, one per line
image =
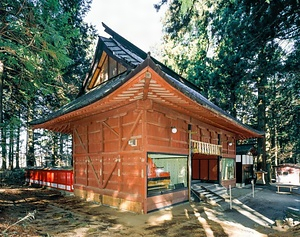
column 242, row 54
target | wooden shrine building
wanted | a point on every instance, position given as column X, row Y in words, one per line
column 142, row 133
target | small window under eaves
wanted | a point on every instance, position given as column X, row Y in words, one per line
column 107, row 68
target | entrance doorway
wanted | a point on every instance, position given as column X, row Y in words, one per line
column 205, row 167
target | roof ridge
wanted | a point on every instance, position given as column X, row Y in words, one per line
column 118, row 37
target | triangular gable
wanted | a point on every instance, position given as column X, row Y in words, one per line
column 124, row 53
column 110, row 60
column 107, row 68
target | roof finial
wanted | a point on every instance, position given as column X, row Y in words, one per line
column 148, row 54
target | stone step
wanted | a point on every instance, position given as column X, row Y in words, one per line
column 217, row 200
column 204, row 192
column 221, row 193
column 210, row 193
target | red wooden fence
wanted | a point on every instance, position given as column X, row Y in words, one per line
column 59, row 179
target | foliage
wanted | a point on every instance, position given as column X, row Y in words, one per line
column 243, row 55
column 9, row 177
column 44, row 49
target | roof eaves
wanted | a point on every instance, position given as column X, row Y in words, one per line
column 195, row 95
column 88, row 98
column 93, row 95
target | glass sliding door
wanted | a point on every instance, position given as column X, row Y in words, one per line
column 166, row 173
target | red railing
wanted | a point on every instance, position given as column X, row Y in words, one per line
column 54, row 178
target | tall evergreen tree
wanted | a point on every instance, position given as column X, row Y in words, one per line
column 37, row 39
column 242, row 53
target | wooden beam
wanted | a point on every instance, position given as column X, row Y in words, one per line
column 132, row 129
column 112, row 130
column 110, row 173
column 146, row 87
column 88, row 156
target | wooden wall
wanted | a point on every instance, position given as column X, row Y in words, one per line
column 205, row 167
column 167, row 199
column 109, row 170
column 206, row 133
column 106, row 168
column 159, row 121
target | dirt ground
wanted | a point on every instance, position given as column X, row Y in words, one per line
column 48, row 213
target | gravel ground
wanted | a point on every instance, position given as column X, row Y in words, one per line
column 57, row 215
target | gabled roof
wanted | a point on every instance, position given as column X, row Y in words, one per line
column 165, row 87
column 126, row 53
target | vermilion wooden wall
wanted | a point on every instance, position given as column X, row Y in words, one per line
column 109, row 170
column 159, row 121
column 106, row 168
column 205, row 167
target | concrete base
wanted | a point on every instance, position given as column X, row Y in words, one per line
column 240, row 185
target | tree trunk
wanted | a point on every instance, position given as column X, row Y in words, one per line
column 30, row 159
column 261, row 120
column 18, row 147
column 233, row 100
column 55, row 149
column 3, row 147
column 62, row 143
column 3, row 137
column 11, row 148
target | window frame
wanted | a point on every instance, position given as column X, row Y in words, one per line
column 160, row 184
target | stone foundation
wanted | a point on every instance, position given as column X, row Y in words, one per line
column 119, row 203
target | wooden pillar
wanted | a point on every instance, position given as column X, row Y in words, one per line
column 219, row 162
column 190, row 162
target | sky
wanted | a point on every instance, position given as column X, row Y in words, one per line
column 135, row 20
